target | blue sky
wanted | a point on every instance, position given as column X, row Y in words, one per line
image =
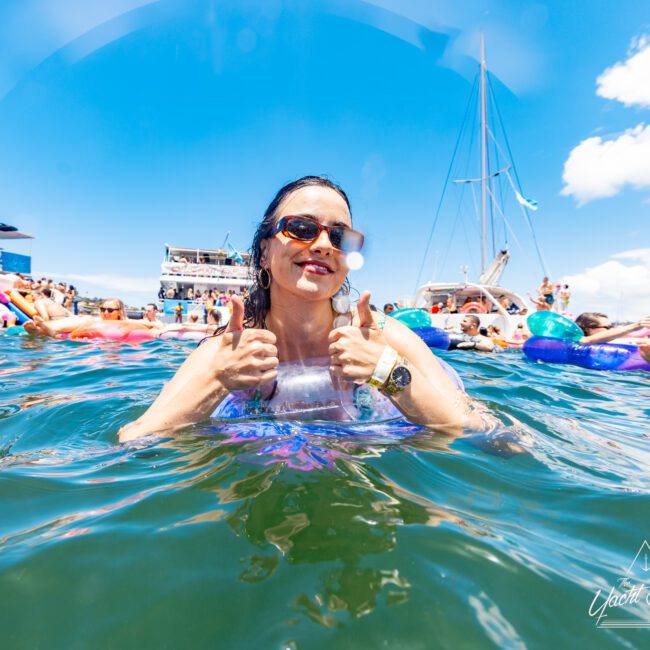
column 131, row 123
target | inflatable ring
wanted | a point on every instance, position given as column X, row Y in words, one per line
column 552, row 325
column 473, row 308
column 184, row 334
column 599, row 356
column 305, row 390
column 125, row 331
column 412, row 317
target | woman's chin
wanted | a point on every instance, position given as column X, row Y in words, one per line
column 320, row 288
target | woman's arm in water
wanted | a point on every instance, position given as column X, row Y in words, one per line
column 190, row 396
column 238, row 359
column 432, row 398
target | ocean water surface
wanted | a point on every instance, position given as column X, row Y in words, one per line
column 290, row 535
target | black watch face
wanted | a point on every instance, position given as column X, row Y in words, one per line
column 401, row 377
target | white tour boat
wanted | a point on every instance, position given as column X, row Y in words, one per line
column 200, row 269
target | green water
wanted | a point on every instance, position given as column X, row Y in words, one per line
column 309, row 536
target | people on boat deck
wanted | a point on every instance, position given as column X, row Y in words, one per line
column 300, row 267
column 598, row 327
column 540, row 303
column 178, row 313
column 564, row 297
column 545, row 291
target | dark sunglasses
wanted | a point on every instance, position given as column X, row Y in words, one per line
column 308, row 230
column 108, row 310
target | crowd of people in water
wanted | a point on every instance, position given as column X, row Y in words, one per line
column 57, row 301
column 56, row 306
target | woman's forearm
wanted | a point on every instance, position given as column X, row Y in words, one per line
column 187, row 402
column 190, row 396
column 425, row 402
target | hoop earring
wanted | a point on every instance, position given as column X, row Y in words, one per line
column 264, row 279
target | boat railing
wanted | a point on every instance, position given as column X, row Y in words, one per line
column 204, row 270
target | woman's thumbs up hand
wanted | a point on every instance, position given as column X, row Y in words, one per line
column 355, row 349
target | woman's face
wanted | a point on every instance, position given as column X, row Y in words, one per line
column 110, row 311
column 602, row 324
column 308, row 270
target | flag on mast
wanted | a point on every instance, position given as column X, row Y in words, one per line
column 235, row 254
column 527, row 203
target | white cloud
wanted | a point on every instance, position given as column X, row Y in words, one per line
column 619, row 287
column 117, row 283
column 598, row 168
column 629, row 81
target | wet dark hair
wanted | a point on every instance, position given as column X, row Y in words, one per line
column 589, row 320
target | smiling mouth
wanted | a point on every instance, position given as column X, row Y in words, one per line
column 318, row 268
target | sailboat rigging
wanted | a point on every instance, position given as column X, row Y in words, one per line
column 496, row 172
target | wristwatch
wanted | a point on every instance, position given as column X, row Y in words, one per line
column 399, row 378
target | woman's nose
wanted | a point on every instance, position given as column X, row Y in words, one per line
column 322, row 242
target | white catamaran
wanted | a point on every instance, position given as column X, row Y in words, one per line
column 494, row 304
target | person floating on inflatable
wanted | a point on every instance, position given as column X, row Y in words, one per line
column 586, row 342
column 298, row 310
column 598, row 328
column 112, row 324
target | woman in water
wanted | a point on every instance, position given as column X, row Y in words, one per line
column 299, row 260
column 111, row 309
column 598, row 328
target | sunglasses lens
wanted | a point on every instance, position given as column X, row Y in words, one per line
column 302, row 229
column 337, row 237
column 342, row 239
column 349, row 241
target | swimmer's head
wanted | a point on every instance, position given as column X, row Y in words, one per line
column 112, row 309
column 150, row 312
column 593, row 321
column 470, row 324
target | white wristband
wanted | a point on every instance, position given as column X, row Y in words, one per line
column 384, row 367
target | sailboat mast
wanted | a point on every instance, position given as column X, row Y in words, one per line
column 484, row 170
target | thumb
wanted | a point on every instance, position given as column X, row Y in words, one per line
column 236, row 322
column 364, row 311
